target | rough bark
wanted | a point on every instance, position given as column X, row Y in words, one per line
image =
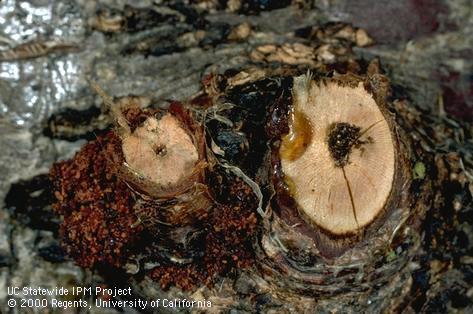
column 424, row 266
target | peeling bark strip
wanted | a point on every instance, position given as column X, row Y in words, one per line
column 36, row 49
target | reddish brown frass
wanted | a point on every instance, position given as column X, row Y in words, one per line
column 141, row 194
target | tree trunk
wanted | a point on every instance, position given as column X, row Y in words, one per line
column 295, row 176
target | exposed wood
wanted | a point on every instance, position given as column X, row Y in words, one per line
column 340, row 196
column 161, row 151
column 414, row 256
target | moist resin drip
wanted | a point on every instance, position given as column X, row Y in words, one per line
column 295, row 143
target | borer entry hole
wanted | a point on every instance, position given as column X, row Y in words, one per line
column 342, row 137
column 161, row 150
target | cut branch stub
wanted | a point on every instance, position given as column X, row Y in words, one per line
column 339, row 156
column 161, row 151
column 164, row 156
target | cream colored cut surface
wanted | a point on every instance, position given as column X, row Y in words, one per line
column 161, row 151
column 321, row 189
